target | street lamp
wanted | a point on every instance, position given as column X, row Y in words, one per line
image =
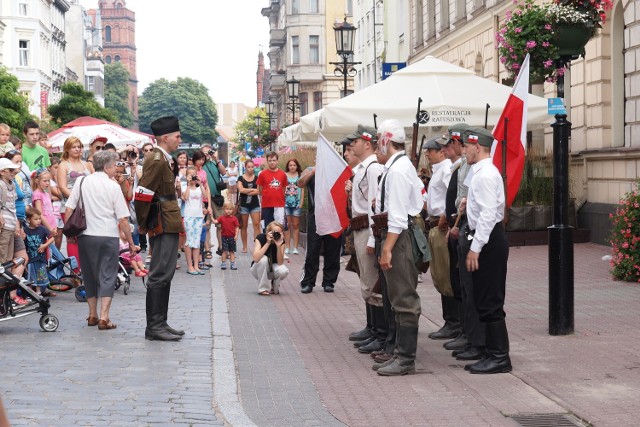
column 269, row 105
column 345, row 37
column 293, row 86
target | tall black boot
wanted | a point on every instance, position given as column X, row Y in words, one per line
column 379, row 330
column 451, row 316
column 497, row 360
column 461, row 341
column 365, row 333
column 165, row 312
column 155, row 317
column 405, row 362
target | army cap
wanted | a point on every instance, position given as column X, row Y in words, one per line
column 364, row 132
column 437, row 143
column 456, row 131
column 478, row 135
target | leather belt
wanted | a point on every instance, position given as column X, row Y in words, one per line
column 166, row 198
column 360, row 222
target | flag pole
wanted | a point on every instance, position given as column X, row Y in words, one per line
column 504, row 168
column 486, row 115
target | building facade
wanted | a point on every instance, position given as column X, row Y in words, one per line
column 34, row 49
column 302, row 45
column 602, row 92
column 118, row 29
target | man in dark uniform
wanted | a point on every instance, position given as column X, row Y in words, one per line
column 489, row 251
column 159, row 215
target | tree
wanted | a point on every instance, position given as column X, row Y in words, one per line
column 116, row 93
column 248, row 131
column 14, row 108
column 184, row 98
column 78, row 102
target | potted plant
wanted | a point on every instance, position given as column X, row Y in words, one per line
column 548, row 32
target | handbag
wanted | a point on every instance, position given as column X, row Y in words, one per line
column 218, row 200
column 77, row 221
column 221, row 185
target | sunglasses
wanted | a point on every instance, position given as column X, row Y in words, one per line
column 99, row 147
column 121, row 164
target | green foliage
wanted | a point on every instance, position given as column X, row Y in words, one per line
column 14, row 108
column 625, row 238
column 248, row 131
column 536, row 187
column 77, row 102
column 116, row 93
column 184, row 98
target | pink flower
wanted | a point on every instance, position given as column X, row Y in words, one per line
column 515, row 66
column 531, row 44
column 548, row 63
column 545, row 44
column 517, row 30
column 547, row 27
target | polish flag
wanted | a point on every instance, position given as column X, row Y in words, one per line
column 330, row 198
column 515, row 110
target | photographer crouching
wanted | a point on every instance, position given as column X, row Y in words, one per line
column 268, row 257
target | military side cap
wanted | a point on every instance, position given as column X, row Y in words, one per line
column 456, row 131
column 165, row 125
column 436, row 143
column 478, row 135
column 346, row 141
column 364, row 132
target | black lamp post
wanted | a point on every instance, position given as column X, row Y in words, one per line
column 561, row 277
column 293, row 86
column 345, row 37
column 269, row 106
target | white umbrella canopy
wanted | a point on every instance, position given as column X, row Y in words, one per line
column 88, row 128
column 450, row 94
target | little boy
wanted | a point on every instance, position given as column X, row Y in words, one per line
column 229, row 229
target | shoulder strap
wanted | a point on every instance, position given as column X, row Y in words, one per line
column 384, row 181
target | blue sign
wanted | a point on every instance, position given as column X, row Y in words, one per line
column 389, row 68
column 248, row 146
column 556, row 106
column 259, row 151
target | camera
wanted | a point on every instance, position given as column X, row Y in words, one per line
column 276, row 235
column 131, row 154
column 194, row 178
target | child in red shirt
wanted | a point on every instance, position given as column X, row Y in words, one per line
column 229, row 229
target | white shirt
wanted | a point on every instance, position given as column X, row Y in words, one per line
column 103, row 203
column 437, row 192
column 193, row 205
column 364, row 189
column 463, row 188
column 485, row 202
column 403, row 193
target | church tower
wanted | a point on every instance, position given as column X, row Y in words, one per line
column 119, row 43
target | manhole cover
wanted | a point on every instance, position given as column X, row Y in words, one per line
column 548, row 420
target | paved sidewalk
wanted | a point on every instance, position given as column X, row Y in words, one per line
column 285, row 360
column 593, row 374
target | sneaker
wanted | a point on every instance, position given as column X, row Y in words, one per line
column 223, row 266
column 420, row 278
column 295, row 251
column 233, row 266
column 147, row 260
column 286, row 251
column 285, row 256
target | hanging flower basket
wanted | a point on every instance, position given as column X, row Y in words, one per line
column 571, row 40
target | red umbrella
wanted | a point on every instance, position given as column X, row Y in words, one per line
column 88, row 128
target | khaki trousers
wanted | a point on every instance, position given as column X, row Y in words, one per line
column 368, row 268
column 439, row 265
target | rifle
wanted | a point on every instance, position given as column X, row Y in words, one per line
column 420, row 151
column 375, row 121
column 414, row 138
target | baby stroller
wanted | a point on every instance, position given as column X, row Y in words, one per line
column 123, row 279
column 35, row 304
column 64, row 273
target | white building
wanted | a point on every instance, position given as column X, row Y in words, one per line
column 33, row 49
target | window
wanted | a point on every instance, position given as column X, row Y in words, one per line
column 313, row 6
column 108, row 59
column 107, row 34
column 295, row 7
column 314, row 49
column 419, row 24
column 116, row 58
column 295, row 49
column 350, row 7
column 91, row 84
column 23, row 8
column 317, row 101
column 23, row 53
column 304, row 104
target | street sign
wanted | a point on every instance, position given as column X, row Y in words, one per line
column 556, row 106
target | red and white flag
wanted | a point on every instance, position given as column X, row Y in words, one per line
column 515, row 110
column 330, row 198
